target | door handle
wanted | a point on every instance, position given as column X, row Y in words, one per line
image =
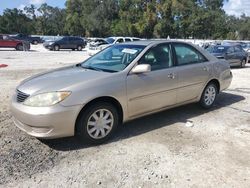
column 171, row 75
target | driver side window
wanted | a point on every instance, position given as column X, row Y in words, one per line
column 230, row 50
column 159, row 57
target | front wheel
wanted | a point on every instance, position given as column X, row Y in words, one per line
column 19, row 47
column 79, row 48
column 97, row 123
column 56, row 48
column 209, row 95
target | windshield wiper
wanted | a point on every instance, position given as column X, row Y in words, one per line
column 91, row 68
column 98, row 69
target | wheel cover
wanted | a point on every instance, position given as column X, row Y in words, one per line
column 20, row 48
column 100, row 123
column 210, row 94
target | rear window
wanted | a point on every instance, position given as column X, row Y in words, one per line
column 217, row 49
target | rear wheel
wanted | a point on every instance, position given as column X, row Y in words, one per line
column 243, row 63
column 19, row 47
column 79, row 48
column 35, row 42
column 97, row 123
column 209, row 95
column 56, row 47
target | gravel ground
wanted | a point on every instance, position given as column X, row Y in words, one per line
column 154, row 151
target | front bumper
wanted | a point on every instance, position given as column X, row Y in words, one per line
column 45, row 122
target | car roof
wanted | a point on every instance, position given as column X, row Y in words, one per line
column 230, row 44
column 154, row 41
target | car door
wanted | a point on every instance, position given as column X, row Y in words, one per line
column 74, row 42
column 239, row 54
column 64, row 43
column 156, row 89
column 230, row 55
column 8, row 42
column 2, row 43
column 193, row 72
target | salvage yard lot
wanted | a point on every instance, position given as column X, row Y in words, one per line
column 153, row 151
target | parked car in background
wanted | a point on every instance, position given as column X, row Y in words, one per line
column 96, row 42
column 68, row 42
column 110, row 41
column 234, row 54
column 8, row 42
column 122, row 82
column 29, row 38
column 95, row 45
column 115, row 40
column 246, row 47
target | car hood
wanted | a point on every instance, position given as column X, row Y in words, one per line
column 59, row 79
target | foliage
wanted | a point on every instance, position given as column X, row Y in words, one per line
column 204, row 19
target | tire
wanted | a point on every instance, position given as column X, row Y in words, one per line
column 243, row 63
column 19, row 47
column 35, row 42
column 91, row 126
column 79, row 48
column 56, row 48
column 209, row 95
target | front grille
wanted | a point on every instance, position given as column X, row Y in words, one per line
column 21, row 97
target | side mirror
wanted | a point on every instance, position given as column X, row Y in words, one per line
column 138, row 69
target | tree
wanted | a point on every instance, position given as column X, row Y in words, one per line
column 15, row 21
column 203, row 19
column 50, row 20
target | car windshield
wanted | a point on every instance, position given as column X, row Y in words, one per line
column 217, row 49
column 113, row 59
column 110, row 40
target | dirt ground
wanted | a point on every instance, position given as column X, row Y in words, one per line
column 154, row 151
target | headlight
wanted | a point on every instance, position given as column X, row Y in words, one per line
column 46, row 99
column 51, row 43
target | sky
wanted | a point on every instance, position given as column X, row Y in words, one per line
column 232, row 7
column 22, row 3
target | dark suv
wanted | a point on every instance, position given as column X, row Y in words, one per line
column 234, row 54
column 74, row 43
